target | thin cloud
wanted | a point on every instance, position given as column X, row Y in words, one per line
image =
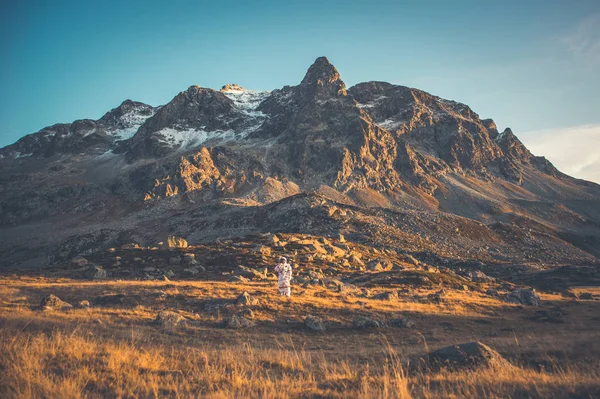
column 573, row 150
column 583, row 41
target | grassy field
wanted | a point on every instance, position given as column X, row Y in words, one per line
column 116, row 350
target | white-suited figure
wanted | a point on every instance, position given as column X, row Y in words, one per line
column 284, row 273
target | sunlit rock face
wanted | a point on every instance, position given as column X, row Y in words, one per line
column 374, row 146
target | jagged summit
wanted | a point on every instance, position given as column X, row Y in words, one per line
column 322, row 76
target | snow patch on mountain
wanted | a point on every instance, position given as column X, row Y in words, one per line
column 189, row 138
column 372, row 103
column 130, row 122
column 246, row 100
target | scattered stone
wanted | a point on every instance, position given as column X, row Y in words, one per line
column 401, row 322
column 524, row 296
column 480, row 277
column 239, row 279
column 437, row 297
column 83, row 304
column 189, row 259
column 169, row 319
column 468, row 355
column 262, row 250
column 250, row 273
column 246, row 299
column 379, row 265
column 363, row 322
column 238, row 321
column 194, row 270
column 314, row 323
column 386, row 296
column 93, row 272
column 52, row 302
column 274, row 239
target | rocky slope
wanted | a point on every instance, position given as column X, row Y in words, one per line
column 384, row 164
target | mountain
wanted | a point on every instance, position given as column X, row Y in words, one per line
column 390, row 165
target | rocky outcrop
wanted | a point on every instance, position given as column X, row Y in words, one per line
column 469, row 355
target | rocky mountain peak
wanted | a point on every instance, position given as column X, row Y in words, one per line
column 232, row 88
column 323, row 77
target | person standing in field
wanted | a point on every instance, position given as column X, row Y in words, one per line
column 284, row 273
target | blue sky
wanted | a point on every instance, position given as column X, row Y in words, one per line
column 532, row 65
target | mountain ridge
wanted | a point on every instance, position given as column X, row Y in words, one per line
column 373, row 145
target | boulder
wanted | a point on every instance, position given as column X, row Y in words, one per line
column 468, row 355
column 314, row 323
column 246, row 299
column 169, row 319
column 52, row 302
column 524, row 296
column 401, row 322
column 93, row 272
column 238, row 321
column 363, row 322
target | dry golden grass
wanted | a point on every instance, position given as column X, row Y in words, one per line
column 115, row 352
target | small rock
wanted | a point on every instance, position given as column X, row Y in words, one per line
column 314, row 323
column 363, row 322
column 401, row 322
column 586, row 296
column 524, row 296
column 169, row 319
column 93, row 272
column 175, row 260
column 238, row 321
column 52, row 302
column 169, row 274
column 246, row 299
